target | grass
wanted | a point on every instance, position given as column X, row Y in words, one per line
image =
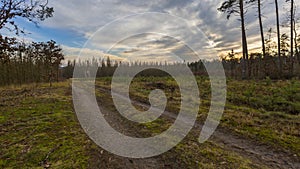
column 39, row 129
column 283, row 96
column 264, row 110
column 210, row 155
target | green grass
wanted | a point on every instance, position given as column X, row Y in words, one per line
column 264, row 110
column 39, row 129
column 210, row 155
column 281, row 96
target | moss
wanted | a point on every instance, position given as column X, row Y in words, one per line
column 43, row 123
column 211, row 155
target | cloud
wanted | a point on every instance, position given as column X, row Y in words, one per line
column 72, row 53
column 86, row 17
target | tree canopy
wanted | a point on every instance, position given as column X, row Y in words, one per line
column 32, row 10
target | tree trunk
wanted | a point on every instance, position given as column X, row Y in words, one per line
column 261, row 28
column 292, row 37
column 50, row 77
column 278, row 38
column 244, row 43
column 57, row 73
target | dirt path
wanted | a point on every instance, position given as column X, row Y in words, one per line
column 258, row 152
column 103, row 159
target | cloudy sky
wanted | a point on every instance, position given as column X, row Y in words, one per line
column 149, row 30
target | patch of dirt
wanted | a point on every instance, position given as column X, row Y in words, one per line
column 103, row 159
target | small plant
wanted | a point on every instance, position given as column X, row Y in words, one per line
column 268, row 81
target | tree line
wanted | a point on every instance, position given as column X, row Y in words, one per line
column 259, row 67
column 22, row 63
column 105, row 67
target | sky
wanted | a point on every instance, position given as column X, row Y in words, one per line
column 164, row 30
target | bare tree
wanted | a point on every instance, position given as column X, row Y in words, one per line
column 237, row 7
column 278, row 37
column 261, row 28
column 292, row 37
column 259, row 11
